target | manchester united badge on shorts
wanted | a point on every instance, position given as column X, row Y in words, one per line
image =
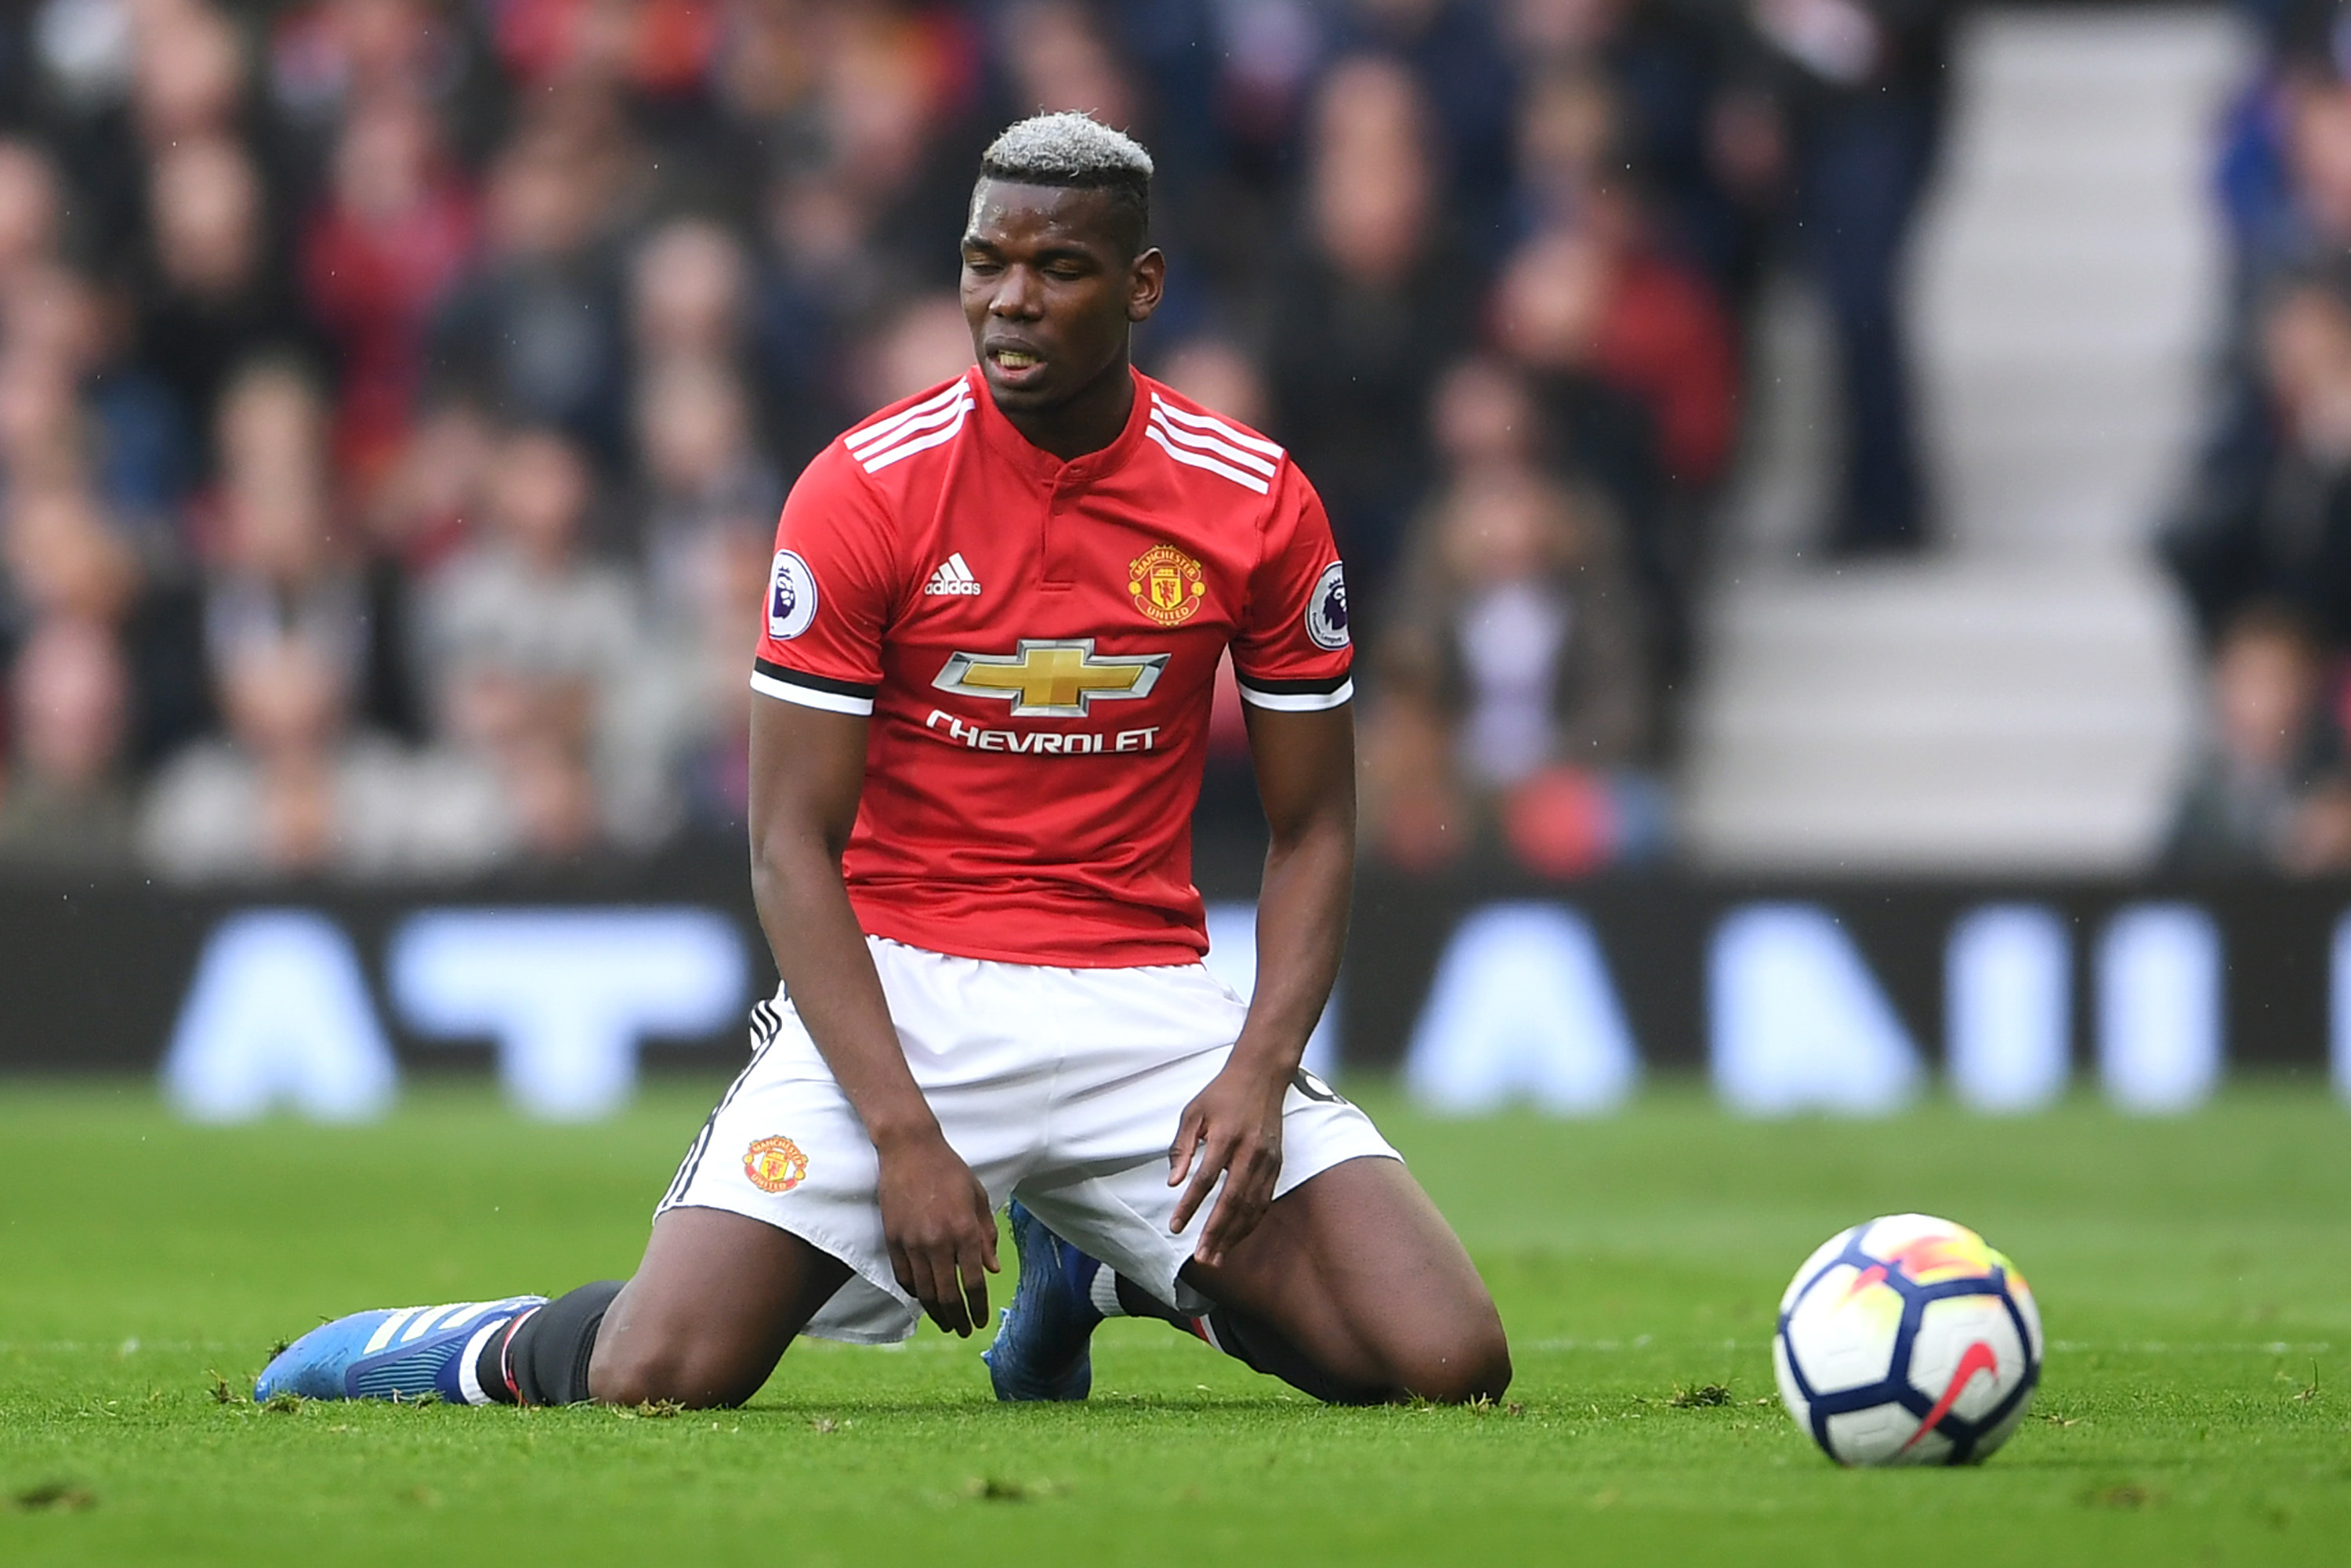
column 1167, row 584
column 774, row 1164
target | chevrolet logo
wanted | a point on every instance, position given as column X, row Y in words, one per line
column 1051, row 679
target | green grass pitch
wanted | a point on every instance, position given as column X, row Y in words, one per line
column 2195, row 1276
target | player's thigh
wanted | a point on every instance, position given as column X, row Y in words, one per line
column 709, row 1310
column 1356, row 1263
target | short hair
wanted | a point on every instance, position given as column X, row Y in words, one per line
column 1075, row 151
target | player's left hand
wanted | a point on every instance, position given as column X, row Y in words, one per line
column 1233, row 1128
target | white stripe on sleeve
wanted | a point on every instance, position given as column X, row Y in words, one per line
column 1297, row 702
column 809, row 696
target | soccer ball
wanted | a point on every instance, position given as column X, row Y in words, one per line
column 1907, row 1340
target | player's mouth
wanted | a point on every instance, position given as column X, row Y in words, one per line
column 1015, row 365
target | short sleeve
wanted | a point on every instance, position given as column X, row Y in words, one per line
column 1293, row 651
column 828, row 594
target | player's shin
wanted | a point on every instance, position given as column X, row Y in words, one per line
column 544, row 1359
column 1252, row 1341
column 1259, row 1346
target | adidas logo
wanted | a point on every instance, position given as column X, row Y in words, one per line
column 952, row 577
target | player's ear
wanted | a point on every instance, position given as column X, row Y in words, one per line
column 1146, row 280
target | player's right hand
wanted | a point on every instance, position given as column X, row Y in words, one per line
column 941, row 1232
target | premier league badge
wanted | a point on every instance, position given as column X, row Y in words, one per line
column 1326, row 612
column 791, row 596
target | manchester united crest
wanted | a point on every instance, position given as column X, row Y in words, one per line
column 774, row 1164
column 1167, row 584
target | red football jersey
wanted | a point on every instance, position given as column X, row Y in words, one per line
column 1037, row 644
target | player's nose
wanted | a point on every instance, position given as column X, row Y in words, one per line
column 1017, row 296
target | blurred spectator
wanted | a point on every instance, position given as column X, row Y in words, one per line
column 2286, row 166
column 1376, row 298
column 708, row 523
column 706, row 690
column 532, row 338
column 703, row 476
column 1484, row 415
column 526, row 641
column 377, row 258
column 1594, row 302
column 41, row 445
column 1642, row 90
column 189, row 78
column 1522, row 644
column 280, row 563
column 62, row 559
column 699, row 434
column 1527, row 626
column 1215, row 373
column 67, row 803
column 1568, row 145
column 2268, row 793
column 28, row 209
column 831, row 280
column 927, row 341
column 421, row 511
column 1552, row 314
column 328, row 55
column 294, row 788
column 1858, row 89
column 1414, row 813
column 863, row 118
column 687, row 295
column 2274, row 521
column 1454, row 52
column 219, row 294
column 108, row 418
column 1058, row 57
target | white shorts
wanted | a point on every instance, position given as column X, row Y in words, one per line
column 1059, row 1087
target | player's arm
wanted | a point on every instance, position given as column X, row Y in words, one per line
column 807, row 769
column 1306, row 778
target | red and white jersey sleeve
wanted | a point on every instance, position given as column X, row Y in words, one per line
column 832, row 591
column 1291, row 650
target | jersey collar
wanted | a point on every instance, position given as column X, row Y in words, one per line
column 1042, row 465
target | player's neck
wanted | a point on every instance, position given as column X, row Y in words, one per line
column 1087, row 420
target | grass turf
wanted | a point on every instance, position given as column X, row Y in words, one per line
column 2195, row 1276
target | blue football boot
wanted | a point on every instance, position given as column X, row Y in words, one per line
column 393, row 1354
column 1041, row 1344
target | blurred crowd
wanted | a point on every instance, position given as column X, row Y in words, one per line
column 2260, row 540
column 396, row 395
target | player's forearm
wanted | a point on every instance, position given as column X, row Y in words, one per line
column 829, row 974
column 1302, row 930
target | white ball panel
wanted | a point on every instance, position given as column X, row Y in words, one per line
column 1876, row 1436
column 1844, row 1338
column 1885, row 1236
column 1949, row 1329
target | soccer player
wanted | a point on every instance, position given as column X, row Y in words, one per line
column 992, row 629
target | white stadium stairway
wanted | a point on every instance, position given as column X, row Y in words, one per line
column 2022, row 697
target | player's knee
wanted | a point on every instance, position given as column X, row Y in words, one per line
column 1472, row 1361
column 633, row 1372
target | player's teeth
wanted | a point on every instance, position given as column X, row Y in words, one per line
column 1013, row 362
